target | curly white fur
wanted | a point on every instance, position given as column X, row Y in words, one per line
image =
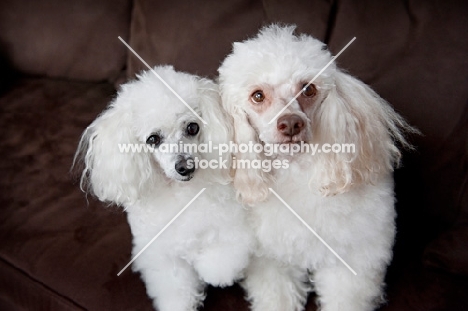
column 346, row 198
column 209, row 242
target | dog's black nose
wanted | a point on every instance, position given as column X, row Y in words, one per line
column 185, row 166
column 290, row 125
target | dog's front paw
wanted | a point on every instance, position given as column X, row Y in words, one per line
column 221, row 267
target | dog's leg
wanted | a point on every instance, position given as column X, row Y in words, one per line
column 275, row 287
column 340, row 290
column 172, row 284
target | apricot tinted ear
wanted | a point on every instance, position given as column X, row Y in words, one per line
column 353, row 113
column 251, row 183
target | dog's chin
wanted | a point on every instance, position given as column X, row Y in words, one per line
column 179, row 178
column 290, row 142
column 183, row 178
column 282, row 141
column 295, row 140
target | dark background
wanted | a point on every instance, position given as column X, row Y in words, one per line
column 61, row 62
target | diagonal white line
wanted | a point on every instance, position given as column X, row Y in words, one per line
column 312, row 230
column 312, row 81
column 160, row 232
column 161, row 79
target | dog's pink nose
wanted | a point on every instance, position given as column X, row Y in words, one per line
column 290, row 125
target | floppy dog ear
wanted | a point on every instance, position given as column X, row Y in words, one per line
column 251, row 183
column 218, row 129
column 352, row 113
column 110, row 173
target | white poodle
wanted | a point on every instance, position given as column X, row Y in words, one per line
column 347, row 198
column 210, row 241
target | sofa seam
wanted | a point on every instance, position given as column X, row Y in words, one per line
column 55, row 295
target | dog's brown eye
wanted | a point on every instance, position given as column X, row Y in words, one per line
column 154, row 140
column 258, row 97
column 309, row 90
column 192, row 129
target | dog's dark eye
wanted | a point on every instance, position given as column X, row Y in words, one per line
column 192, row 129
column 154, row 140
column 309, row 90
column 258, row 97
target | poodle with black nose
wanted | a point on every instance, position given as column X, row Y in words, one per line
column 124, row 164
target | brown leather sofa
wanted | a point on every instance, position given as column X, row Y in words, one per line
column 61, row 62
